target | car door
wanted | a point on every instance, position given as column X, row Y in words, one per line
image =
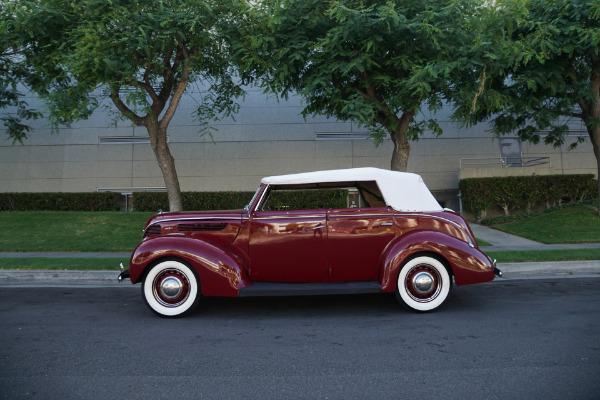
column 357, row 237
column 288, row 246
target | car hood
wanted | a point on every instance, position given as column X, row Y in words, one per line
column 196, row 216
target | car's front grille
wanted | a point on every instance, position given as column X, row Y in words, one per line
column 153, row 230
column 201, row 227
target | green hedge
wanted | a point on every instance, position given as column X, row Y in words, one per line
column 524, row 192
column 198, row 201
column 154, row 201
column 93, row 201
column 192, row 201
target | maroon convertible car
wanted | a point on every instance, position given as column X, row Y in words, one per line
column 390, row 236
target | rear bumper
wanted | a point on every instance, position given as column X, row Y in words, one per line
column 497, row 271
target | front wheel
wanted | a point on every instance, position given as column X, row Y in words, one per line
column 423, row 284
column 171, row 289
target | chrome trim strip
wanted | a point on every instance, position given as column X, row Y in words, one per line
column 390, row 215
column 322, row 216
column 197, row 219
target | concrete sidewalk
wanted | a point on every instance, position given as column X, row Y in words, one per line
column 505, row 242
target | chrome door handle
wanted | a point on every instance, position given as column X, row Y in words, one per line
column 387, row 224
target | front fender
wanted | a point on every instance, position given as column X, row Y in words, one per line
column 220, row 271
column 468, row 264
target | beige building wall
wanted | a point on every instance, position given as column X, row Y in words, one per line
column 267, row 137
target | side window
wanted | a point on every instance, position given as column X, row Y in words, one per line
column 308, row 197
column 305, row 199
column 370, row 194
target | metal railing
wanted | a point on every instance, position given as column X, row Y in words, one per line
column 504, row 162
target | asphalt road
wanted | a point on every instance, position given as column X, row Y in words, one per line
column 534, row 339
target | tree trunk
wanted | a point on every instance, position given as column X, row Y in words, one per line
column 166, row 162
column 401, row 152
column 591, row 116
column 594, row 132
column 401, row 144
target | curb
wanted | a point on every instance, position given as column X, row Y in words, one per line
column 60, row 277
column 525, row 270
column 549, row 269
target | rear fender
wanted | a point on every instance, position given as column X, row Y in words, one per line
column 220, row 271
column 468, row 264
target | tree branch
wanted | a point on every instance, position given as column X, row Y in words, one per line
column 181, row 86
column 114, row 96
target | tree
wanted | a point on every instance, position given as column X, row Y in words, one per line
column 378, row 63
column 11, row 75
column 539, row 71
column 143, row 52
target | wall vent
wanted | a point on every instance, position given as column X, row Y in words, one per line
column 125, row 140
column 342, row 135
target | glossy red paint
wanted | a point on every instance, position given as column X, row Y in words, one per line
column 467, row 264
column 356, row 240
column 221, row 272
column 288, row 246
column 219, row 227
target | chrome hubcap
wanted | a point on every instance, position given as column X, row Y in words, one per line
column 423, row 282
column 171, row 287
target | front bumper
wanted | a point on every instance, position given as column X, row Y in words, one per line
column 124, row 274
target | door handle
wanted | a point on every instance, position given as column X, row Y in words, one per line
column 387, row 224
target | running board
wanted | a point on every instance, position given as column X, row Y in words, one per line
column 308, row 289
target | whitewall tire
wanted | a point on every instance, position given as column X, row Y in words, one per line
column 423, row 284
column 171, row 289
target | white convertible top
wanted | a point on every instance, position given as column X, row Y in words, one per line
column 401, row 190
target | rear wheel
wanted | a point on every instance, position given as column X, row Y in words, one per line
column 423, row 284
column 171, row 289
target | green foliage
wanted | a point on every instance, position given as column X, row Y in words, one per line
column 539, row 72
column 142, row 53
column 15, row 110
column 524, row 192
column 73, row 48
column 541, row 59
column 59, row 201
column 377, row 63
